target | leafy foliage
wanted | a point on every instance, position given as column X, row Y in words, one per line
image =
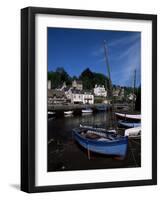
column 88, row 78
column 59, row 77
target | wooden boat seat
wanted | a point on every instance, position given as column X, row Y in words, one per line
column 92, row 136
column 103, row 139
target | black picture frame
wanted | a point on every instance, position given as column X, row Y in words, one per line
column 28, row 99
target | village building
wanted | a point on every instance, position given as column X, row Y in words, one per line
column 88, row 98
column 81, row 97
column 77, row 84
column 68, row 93
column 100, row 91
column 116, row 91
column 122, row 92
column 56, row 97
column 49, row 84
column 63, row 86
column 131, row 97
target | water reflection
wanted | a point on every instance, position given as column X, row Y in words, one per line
column 62, row 127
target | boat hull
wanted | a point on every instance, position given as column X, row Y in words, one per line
column 125, row 124
column 68, row 112
column 51, row 114
column 115, row 148
column 87, row 111
column 133, row 132
column 128, row 117
column 101, row 108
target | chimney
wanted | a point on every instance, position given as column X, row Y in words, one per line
column 49, row 84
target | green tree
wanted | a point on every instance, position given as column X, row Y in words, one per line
column 87, row 78
column 90, row 79
column 59, row 77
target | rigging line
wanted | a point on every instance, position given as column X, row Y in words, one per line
column 133, row 154
column 138, row 143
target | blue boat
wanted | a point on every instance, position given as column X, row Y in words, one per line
column 127, row 124
column 102, row 108
column 112, row 144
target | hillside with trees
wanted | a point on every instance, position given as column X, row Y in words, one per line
column 88, row 78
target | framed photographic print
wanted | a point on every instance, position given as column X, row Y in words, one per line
column 88, row 99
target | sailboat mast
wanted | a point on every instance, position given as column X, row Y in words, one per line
column 134, row 85
column 108, row 67
column 110, row 83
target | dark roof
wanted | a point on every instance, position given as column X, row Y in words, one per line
column 75, row 91
column 56, row 93
column 66, row 88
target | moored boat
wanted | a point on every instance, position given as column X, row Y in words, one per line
column 87, row 110
column 111, row 144
column 51, row 113
column 128, row 117
column 126, row 124
column 69, row 112
column 101, row 108
column 133, row 132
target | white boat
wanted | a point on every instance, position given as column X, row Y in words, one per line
column 88, row 110
column 129, row 116
column 70, row 112
column 133, row 132
column 51, row 113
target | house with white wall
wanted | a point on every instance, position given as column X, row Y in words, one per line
column 80, row 97
column 77, row 84
column 100, row 91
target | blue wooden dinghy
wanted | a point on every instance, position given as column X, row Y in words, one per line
column 127, row 124
column 111, row 144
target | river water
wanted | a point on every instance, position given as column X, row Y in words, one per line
column 65, row 154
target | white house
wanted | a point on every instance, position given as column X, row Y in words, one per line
column 49, row 84
column 80, row 97
column 100, row 91
column 88, row 98
column 77, row 98
column 77, row 84
column 131, row 97
column 68, row 93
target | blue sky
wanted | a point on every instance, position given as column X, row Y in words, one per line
column 78, row 49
